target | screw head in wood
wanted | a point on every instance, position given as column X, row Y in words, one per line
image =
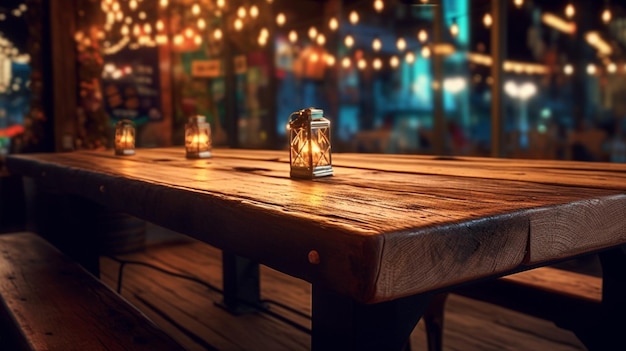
column 314, row 257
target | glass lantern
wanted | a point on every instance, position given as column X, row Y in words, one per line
column 124, row 138
column 309, row 144
column 198, row 138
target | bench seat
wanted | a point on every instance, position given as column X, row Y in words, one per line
column 48, row 302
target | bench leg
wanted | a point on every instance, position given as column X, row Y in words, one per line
column 242, row 284
column 433, row 321
column 340, row 323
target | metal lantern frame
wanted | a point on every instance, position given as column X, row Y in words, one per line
column 198, row 142
column 124, row 138
column 309, row 144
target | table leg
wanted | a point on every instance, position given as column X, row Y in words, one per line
column 605, row 331
column 340, row 323
column 242, row 284
column 69, row 223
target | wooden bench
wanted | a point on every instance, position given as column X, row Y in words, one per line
column 48, row 302
column 571, row 300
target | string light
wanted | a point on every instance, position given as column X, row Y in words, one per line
column 312, row 33
column 321, row 39
column 487, row 20
column 611, row 68
column 254, row 11
column 379, row 5
column 518, row 3
column 281, row 19
column 426, row 52
column 376, row 44
column 570, row 11
column 349, row 41
column 401, row 44
column 377, row 64
column 195, row 9
column 394, row 61
column 221, row 3
column 201, row 23
column 163, row 3
column 422, row 36
column 454, row 28
column 345, row 63
column 591, row 69
column 410, row 57
column 293, row 36
column 354, row 17
column 362, row 64
column 330, row 60
column 238, row 24
column 159, row 25
column 333, row 24
column 217, row 34
column 606, row 16
column 241, row 12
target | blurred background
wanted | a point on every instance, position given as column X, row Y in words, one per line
column 510, row 78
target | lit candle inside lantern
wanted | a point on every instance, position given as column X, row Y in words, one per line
column 198, row 138
column 310, row 155
column 124, row 138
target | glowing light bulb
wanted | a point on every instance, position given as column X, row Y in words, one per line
column 238, row 24
column 241, row 12
column 124, row 31
column 611, row 68
column 221, row 3
column 410, row 57
column 189, row 32
column 254, row 11
column 195, row 9
column 345, row 63
column 606, row 16
column 178, row 39
column 132, row 4
column 321, row 39
column 293, row 36
column 422, row 36
column 379, row 5
column 377, row 63
column 568, row 69
column 354, row 17
column 454, row 29
column 518, row 3
column 348, row 41
column 362, row 64
column 570, row 11
column 394, row 61
column 591, row 69
column 163, row 3
column 281, row 19
column 197, row 40
column 426, row 52
column 201, row 23
column 159, row 25
column 487, row 20
column 401, row 44
column 312, row 33
column 217, row 34
column 333, row 24
column 376, row 44
column 330, row 60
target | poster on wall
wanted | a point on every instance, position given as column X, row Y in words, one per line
column 131, row 84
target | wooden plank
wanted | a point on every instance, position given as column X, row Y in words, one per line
column 376, row 221
column 59, row 306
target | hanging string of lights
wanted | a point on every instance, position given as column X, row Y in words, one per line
column 127, row 24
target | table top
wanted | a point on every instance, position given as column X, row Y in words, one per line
column 383, row 227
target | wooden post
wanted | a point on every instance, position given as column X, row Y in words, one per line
column 62, row 84
column 242, row 284
column 439, row 129
column 498, row 55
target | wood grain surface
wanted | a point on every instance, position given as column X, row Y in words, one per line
column 56, row 305
column 384, row 226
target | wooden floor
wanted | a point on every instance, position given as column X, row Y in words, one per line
column 188, row 310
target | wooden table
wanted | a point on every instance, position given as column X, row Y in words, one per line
column 376, row 240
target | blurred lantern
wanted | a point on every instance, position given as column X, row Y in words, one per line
column 124, row 137
column 198, row 137
column 309, row 140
